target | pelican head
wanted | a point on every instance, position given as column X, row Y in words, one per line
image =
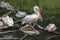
column 36, row 9
column 51, row 27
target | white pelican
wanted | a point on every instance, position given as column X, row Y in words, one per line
column 51, row 27
column 8, row 20
column 20, row 14
column 33, row 17
column 2, row 26
column 2, row 4
column 6, row 5
column 29, row 30
column 1, row 23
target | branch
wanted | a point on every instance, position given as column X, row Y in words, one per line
column 9, row 38
column 9, row 31
column 48, row 38
column 17, row 21
column 56, row 32
column 50, row 18
column 24, row 36
column 6, row 14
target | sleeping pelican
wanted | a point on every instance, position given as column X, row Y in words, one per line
column 29, row 30
column 51, row 27
column 33, row 17
column 6, row 5
column 20, row 13
column 8, row 20
column 1, row 23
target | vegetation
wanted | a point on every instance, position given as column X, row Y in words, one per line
column 46, row 6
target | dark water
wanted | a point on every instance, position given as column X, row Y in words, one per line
column 43, row 34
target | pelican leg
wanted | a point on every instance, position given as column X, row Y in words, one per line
column 30, row 24
column 35, row 23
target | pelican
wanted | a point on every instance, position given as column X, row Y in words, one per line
column 8, row 20
column 2, row 26
column 1, row 23
column 6, row 5
column 51, row 27
column 29, row 30
column 33, row 17
column 2, row 4
column 20, row 14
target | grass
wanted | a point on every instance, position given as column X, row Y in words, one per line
column 46, row 6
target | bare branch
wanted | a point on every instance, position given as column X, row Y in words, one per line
column 24, row 36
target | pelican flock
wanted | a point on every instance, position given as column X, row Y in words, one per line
column 27, row 19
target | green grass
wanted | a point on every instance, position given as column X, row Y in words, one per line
column 46, row 6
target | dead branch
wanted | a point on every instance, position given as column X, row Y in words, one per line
column 24, row 36
column 48, row 38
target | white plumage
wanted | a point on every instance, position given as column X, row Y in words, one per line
column 2, row 4
column 51, row 27
column 6, row 5
column 1, row 23
column 8, row 20
column 20, row 14
column 30, row 32
column 33, row 17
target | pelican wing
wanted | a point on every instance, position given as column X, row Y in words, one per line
column 20, row 14
column 29, row 19
column 8, row 20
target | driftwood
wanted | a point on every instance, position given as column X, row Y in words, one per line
column 3, row 27
column 11, row 31
column 56, row 32
column 24, row 36
column 48, row 38
column 6, row 14
column 49, row 18
column 9, row 38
